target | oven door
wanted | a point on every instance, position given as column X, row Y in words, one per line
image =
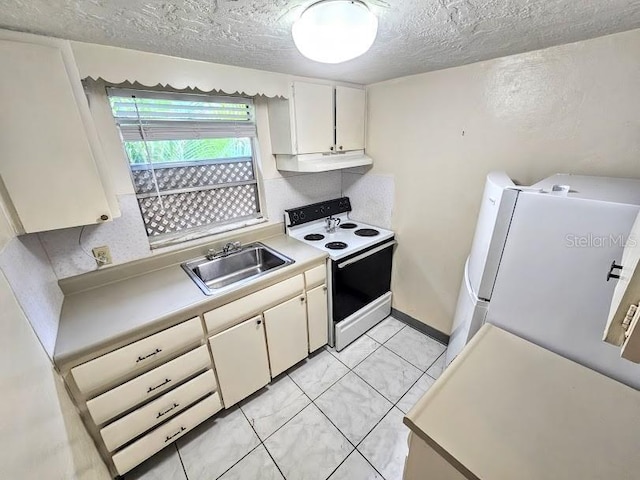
column 361, row 278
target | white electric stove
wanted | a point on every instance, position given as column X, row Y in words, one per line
column 358, row 269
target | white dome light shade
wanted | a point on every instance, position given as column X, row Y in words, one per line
column 334, row 31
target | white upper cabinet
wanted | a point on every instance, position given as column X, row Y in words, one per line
column 47, row 150
column 320, row 127
column 313, row 114
column 350, row 109
column 622, row 326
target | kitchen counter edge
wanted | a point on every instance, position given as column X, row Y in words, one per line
column 76, row 316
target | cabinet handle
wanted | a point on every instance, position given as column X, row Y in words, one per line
column 340, row 147
column 259, row 322
column 104, row 218
column 611, row 275
column 301, row 299
column 169, row 437
column 151, row 389
column 164, row 412
column 142, row 358
column 331, row 148
column 324, row 289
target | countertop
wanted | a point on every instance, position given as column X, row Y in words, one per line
column 508, row 409
column 98, row 320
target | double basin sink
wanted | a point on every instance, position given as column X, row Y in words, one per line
column 217, row 273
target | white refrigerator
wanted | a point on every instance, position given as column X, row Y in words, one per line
column 539, row 262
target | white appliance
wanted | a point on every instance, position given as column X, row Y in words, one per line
column 539, row 264
column 358, row 268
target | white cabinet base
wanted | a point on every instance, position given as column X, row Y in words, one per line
column 317, row 315
column 286, row 328
column 240, row 360
column 423, row 462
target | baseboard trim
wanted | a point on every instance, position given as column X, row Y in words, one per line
column 422, row 327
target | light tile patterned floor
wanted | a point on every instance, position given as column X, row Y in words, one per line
column 336, row 416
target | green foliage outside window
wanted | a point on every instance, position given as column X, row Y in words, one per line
column 169, row 151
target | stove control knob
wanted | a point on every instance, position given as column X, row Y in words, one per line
column 302, row 215
column 294, row 217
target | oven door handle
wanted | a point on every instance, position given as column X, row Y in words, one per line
column 366, row 254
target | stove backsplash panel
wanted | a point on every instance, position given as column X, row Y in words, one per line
column 371, row 195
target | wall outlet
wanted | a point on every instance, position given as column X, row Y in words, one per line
column 102, row 255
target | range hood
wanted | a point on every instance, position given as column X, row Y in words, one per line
column 322, row 162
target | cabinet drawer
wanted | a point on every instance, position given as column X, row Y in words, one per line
column 112, row 366
column 153, row 442
column 230, row 314
column 106, row 406
column 139, row 421
column 316, row 276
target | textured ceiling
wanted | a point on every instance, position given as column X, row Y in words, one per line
column 415, row 35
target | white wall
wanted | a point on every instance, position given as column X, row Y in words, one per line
column 26, row 266
column 41, row 435
column 6, row 232
column 573, row 108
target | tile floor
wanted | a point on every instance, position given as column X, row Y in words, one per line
column 336, row 416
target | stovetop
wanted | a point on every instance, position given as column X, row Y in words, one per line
column 350, row 237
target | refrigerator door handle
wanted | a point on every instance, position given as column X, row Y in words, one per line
column 611, row 275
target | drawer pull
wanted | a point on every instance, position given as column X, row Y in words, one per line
column 151, row 389
column 169, row 437
column 141, row 358
column 163, row 413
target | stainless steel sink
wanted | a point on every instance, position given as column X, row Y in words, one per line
column 227, row 270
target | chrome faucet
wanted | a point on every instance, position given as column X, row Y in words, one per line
column 231, row 247
column 228, row 249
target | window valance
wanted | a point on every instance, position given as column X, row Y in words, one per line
column 118, row 65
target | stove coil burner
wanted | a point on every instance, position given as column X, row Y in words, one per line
column 367, row 232
column 314, row 237
column 336, row 245
column 348, row 226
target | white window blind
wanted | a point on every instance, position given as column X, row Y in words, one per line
column 180, row 116
column 191, row 159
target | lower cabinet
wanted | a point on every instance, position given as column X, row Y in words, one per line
column 424, row 462
column 167, row 433
column 286, row 326
column 139, row 398
column 241, row 361
column 317, row 317
column 148, row 416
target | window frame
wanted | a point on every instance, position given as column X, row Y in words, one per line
column 214, row 228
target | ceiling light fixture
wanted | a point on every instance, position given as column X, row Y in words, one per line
column 334, row 31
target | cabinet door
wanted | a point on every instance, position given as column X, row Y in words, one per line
column 318, row 318
column 350, row 114
column 48, row 167
column 241, row 361
column 313, row 113
column 622, row 329
column 286, row 334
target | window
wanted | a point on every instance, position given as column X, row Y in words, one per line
column 191, row 159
